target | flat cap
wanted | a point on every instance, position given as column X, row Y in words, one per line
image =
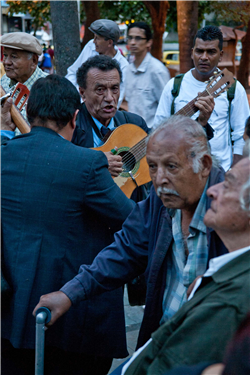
column 22, row 41
column 107, row 28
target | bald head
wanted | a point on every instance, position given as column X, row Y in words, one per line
column 181, row 128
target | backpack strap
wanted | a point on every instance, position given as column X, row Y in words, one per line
column 176, row 89
column 230, row 97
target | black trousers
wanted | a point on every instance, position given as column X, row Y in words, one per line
column 56, row 362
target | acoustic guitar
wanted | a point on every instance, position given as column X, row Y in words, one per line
column 131, row 140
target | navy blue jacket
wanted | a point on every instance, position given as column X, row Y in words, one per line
column 60, row 207
column 83, row 135
column 142, row 244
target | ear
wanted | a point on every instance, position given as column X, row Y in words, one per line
column 82, row 93
column 192, row 53
column 206, row 165
column 73, row 121
column 149, row 44
column 221, row 55
column 110, row 43
column 35, row 59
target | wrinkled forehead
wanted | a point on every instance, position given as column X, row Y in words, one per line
column 18, row 52
column 96, row 75
column 240, row 173
column 169, row 142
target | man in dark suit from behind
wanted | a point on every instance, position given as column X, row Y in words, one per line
column 60, row 207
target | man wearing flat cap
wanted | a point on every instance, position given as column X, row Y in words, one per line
column 20, row 61
column 106, row 36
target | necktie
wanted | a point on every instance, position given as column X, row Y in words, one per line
column 104, row 130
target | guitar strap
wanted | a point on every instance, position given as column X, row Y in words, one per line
column 176, row 89
column 230, row 97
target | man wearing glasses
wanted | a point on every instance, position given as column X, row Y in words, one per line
column 146, row 76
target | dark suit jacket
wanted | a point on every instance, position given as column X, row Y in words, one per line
column 144, row 243
column 60, row 207
column 83, row 135
column 202, row 328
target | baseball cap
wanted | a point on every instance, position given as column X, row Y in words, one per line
column 107, row 28
column 22, row 41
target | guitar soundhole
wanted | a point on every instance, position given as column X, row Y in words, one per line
column 128, row 160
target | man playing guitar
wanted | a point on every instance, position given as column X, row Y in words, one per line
column 227, row 121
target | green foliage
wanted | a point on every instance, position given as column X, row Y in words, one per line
column 124, row 11
column 39, row 10
column 228, row 13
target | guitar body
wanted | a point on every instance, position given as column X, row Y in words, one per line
column 130, row 141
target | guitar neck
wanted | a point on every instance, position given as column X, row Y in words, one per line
column 190, row 108
column 17, row 117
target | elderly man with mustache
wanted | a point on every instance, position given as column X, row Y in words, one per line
column 164, row 235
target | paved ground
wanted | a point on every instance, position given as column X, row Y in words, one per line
column 133, row 318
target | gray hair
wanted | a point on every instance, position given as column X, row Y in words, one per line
column 245, row 197
column 194, row 134
column 246, row 148
column 29, row 55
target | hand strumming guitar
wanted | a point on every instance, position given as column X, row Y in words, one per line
column 115, row 163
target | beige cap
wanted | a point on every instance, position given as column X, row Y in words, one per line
column 22, row 41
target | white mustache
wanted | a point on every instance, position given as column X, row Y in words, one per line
column 163, row 190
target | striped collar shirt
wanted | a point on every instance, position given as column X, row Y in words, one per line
column 182, row 269
column 9, row 85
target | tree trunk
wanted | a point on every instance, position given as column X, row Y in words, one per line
column 187, row 24
column 66, row 37
column 243, row 72
column 158, row 12
column 92, row 14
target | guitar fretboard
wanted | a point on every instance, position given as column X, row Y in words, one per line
column 189, row 109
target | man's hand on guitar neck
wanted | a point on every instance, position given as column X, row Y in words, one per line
column 115, row 163
column 206, row 106
column 6, row 120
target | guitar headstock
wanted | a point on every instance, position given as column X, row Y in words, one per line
column 219, row 83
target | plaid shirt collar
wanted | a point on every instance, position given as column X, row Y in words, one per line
column 182, row 271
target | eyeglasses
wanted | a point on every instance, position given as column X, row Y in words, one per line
column 136, row 38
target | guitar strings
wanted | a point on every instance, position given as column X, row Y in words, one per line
column 135, row 153
column 138, row 151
